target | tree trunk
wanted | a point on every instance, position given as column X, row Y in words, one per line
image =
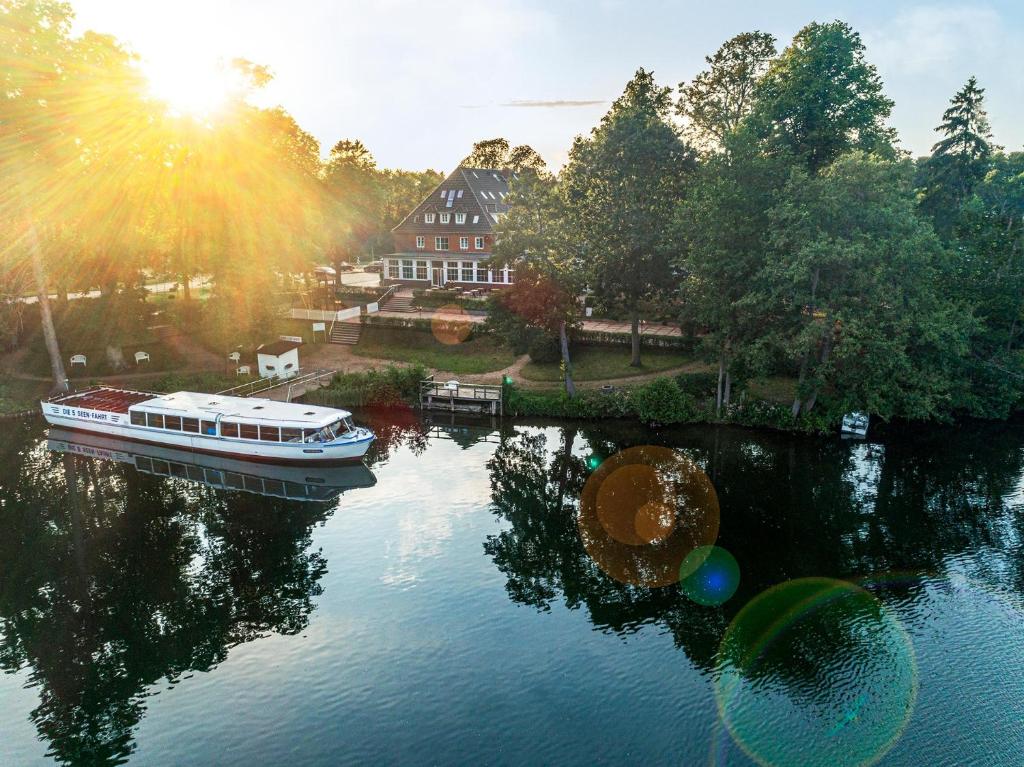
column 799, row 384
column 826, row 349
column 186, row 288
column 635, row 334
column 718, row 389
column 60, row 378
column 563, row 340
column 728, row 388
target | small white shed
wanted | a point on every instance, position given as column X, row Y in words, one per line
column 279, row 359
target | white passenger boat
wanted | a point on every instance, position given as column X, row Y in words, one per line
column 246, row 428
column 293, row 482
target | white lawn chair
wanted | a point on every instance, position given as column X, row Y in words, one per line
column 235, row 356
column 141, row 357
column 78, row 359
column 244, row 370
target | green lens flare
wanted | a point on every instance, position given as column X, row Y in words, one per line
column 709, row 576
column 816, row 672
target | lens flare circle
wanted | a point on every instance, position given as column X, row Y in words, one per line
column 816, row 672
column 450, row 325
column 709, row 576
column 643, row 510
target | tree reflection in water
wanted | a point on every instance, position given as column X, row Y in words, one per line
column 112, row 581
column 791, row 508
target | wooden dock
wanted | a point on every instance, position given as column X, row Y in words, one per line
column 459, row 397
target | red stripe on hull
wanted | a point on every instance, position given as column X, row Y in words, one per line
column 223, row 453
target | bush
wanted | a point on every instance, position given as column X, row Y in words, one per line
column 662, row 402
column 544, row 348
column 388, row 387
column 698, row 385
column 586, row 405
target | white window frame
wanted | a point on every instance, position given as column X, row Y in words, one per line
column 464, row 271
column 421, row 241
column 408, row 270
column 394, row 269
column 451, row 271
column 463, row 243
column 438, row 243
column 421, row 269
column 446, row 218
column 428, row 218
column 460, row 218
column 479, row 244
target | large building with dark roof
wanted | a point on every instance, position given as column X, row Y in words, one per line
column 448, row 239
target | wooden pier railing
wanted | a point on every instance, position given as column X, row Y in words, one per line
column 452, row 395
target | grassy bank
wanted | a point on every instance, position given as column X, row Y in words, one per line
column 477, row 354
column 17, row 395
column 596, row 363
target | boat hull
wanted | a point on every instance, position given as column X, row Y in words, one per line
column 117, row 426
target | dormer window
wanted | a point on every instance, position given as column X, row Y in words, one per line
column 460, row 218
column 428, row 218
column 446, row 217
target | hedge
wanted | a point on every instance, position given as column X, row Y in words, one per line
column 388, row 387
column 606, row 338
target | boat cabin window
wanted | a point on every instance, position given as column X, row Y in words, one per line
column 228, row 429
column 291, row 435
column 155, row 420
column 190, row 425
column 249, row 431
column 208, row 427
column 172, row 422
column 332, row 431
column 138, row 418
column 270, row 433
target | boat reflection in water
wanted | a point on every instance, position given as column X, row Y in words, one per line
column 296, row 483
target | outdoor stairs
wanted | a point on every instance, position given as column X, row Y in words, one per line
column 345, row 333
column 399, row 303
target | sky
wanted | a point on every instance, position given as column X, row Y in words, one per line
column 419, row 82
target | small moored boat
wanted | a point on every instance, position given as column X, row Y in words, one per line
column 240, row 427
column 855, row 425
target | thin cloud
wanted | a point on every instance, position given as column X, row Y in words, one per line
column 553, row 103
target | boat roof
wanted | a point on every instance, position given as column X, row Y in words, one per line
column 197, row 404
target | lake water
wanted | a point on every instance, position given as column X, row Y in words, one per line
column 462, row 605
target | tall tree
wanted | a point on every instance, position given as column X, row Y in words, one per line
column 856, row 274
column 987, row 274
column 536, row 241
column 352, row 182
column 499, row 153
column 621, row 186
column 960, row 159
column 723, row 229
column 821, row 98
column 716, row 101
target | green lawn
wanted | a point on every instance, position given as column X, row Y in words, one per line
column 37, row 362
column 480, row 354
column 596, row 363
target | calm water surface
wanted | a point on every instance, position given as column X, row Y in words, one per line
column 454, row 607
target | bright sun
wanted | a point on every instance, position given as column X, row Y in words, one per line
column 193, row 86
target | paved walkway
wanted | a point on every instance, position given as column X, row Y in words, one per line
column 599, row 326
